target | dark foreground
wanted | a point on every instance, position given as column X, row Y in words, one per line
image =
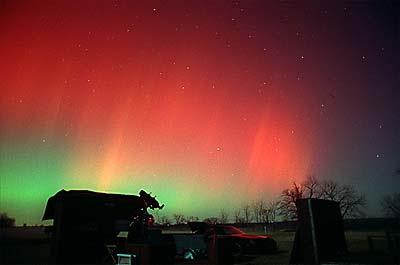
column 29, row 245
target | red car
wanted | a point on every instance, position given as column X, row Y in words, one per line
column 242, row 242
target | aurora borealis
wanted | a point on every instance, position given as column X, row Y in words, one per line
column 207, row 104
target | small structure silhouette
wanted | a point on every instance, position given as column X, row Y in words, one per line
column 86, row 222
column 320, row 234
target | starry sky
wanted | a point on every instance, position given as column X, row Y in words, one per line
column 207, row 104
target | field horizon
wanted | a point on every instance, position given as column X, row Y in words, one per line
column 30, row 244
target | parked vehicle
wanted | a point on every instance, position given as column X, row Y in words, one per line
column 195, row 245
column 244, row 243
column 190, row 246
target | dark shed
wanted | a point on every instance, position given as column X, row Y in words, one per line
column 320, row 234
column 85, row 221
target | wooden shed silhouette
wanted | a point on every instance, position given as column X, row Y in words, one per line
column 85, row 221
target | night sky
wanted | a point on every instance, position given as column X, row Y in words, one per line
column 207, row 104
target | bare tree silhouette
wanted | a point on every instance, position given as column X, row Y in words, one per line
column 223, row 216
column 246, row 210
column 179, row 218
column 6, row 221
column 192, row 218
column 270, row 212
column 350, row 201
column 258, row 206
column 164, row 220
column 237, row 214
column 391, row 205
column 287, row 206
column 312, row 187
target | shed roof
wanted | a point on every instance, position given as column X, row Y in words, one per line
column 87, row 195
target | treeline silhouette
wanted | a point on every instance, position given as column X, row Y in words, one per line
column 282, row 208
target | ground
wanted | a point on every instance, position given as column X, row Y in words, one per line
column 29, row 245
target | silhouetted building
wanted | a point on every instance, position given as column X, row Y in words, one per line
column 320, row 234
column 85, row 221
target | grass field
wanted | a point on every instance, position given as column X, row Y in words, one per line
column 30, row 246
column 357, row 244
